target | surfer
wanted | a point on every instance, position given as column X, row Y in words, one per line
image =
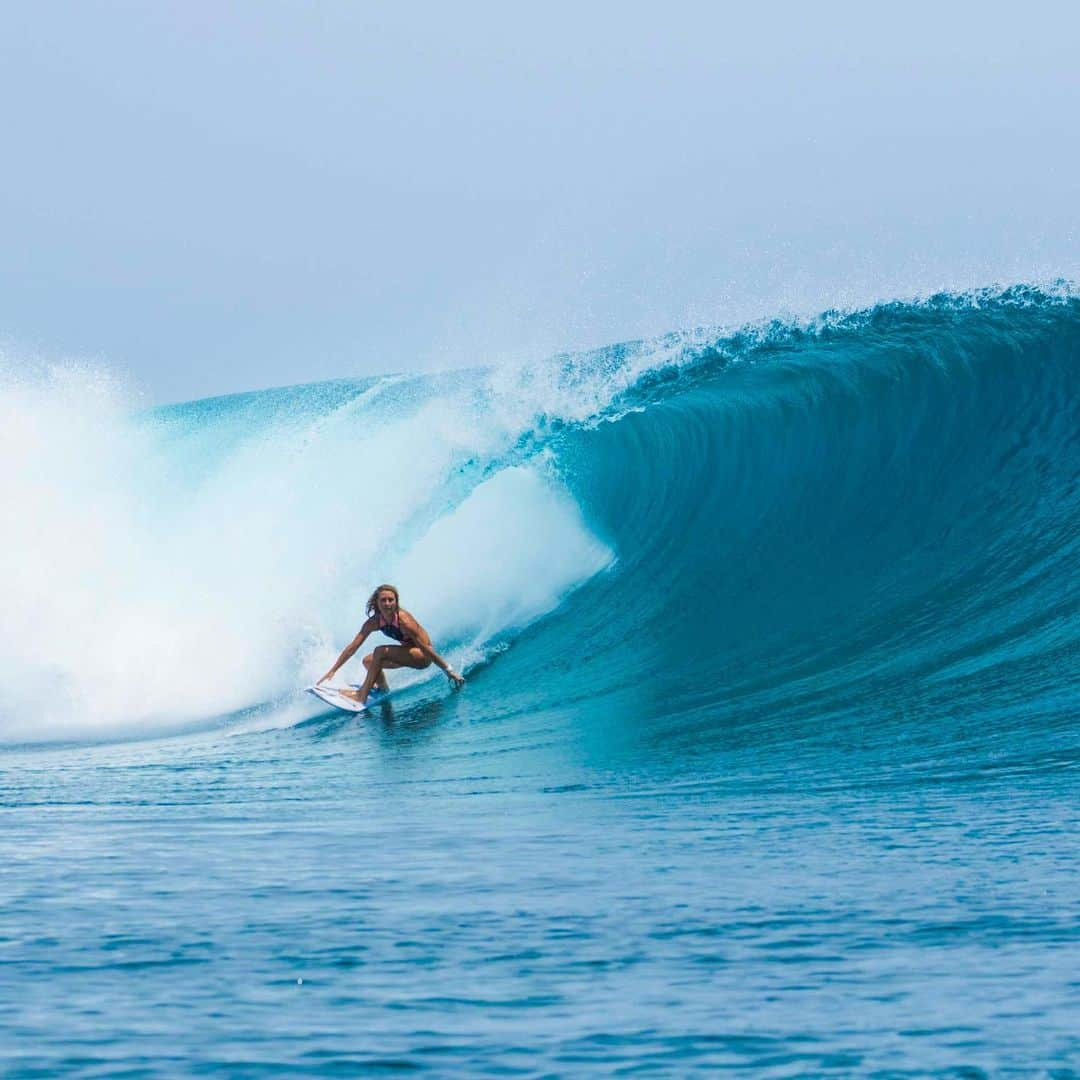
column 414, row 648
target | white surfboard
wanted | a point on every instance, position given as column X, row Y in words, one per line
column 336, row 698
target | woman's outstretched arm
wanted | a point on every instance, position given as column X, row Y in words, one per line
column 423, row 643
column 350, row 649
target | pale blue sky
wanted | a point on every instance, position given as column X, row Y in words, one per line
column 213, row 197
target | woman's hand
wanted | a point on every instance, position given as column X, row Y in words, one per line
column 456, row 681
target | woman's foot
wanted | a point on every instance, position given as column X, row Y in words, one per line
column 374, row 691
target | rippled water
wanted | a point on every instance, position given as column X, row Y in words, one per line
column 409, row 894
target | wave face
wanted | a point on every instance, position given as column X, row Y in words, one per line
column 858, row 536
column 853, row 535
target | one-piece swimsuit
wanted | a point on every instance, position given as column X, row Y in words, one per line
column 395, row 631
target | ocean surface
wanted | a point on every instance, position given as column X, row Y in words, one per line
column 767, row 764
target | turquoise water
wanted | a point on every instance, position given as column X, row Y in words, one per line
column 767, row 761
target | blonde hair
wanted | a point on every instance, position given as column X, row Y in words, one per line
column 372, row 600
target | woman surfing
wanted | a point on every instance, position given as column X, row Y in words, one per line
column 414, row 648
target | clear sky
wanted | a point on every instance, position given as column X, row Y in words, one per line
column 214, row 196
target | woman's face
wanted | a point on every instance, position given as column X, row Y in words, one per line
column 387, row 602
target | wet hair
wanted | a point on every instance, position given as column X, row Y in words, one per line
column 372, row 600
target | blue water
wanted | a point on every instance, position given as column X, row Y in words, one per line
column 767, row 761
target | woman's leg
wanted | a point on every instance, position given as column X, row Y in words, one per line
column 387, row 656
column 380, row 683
